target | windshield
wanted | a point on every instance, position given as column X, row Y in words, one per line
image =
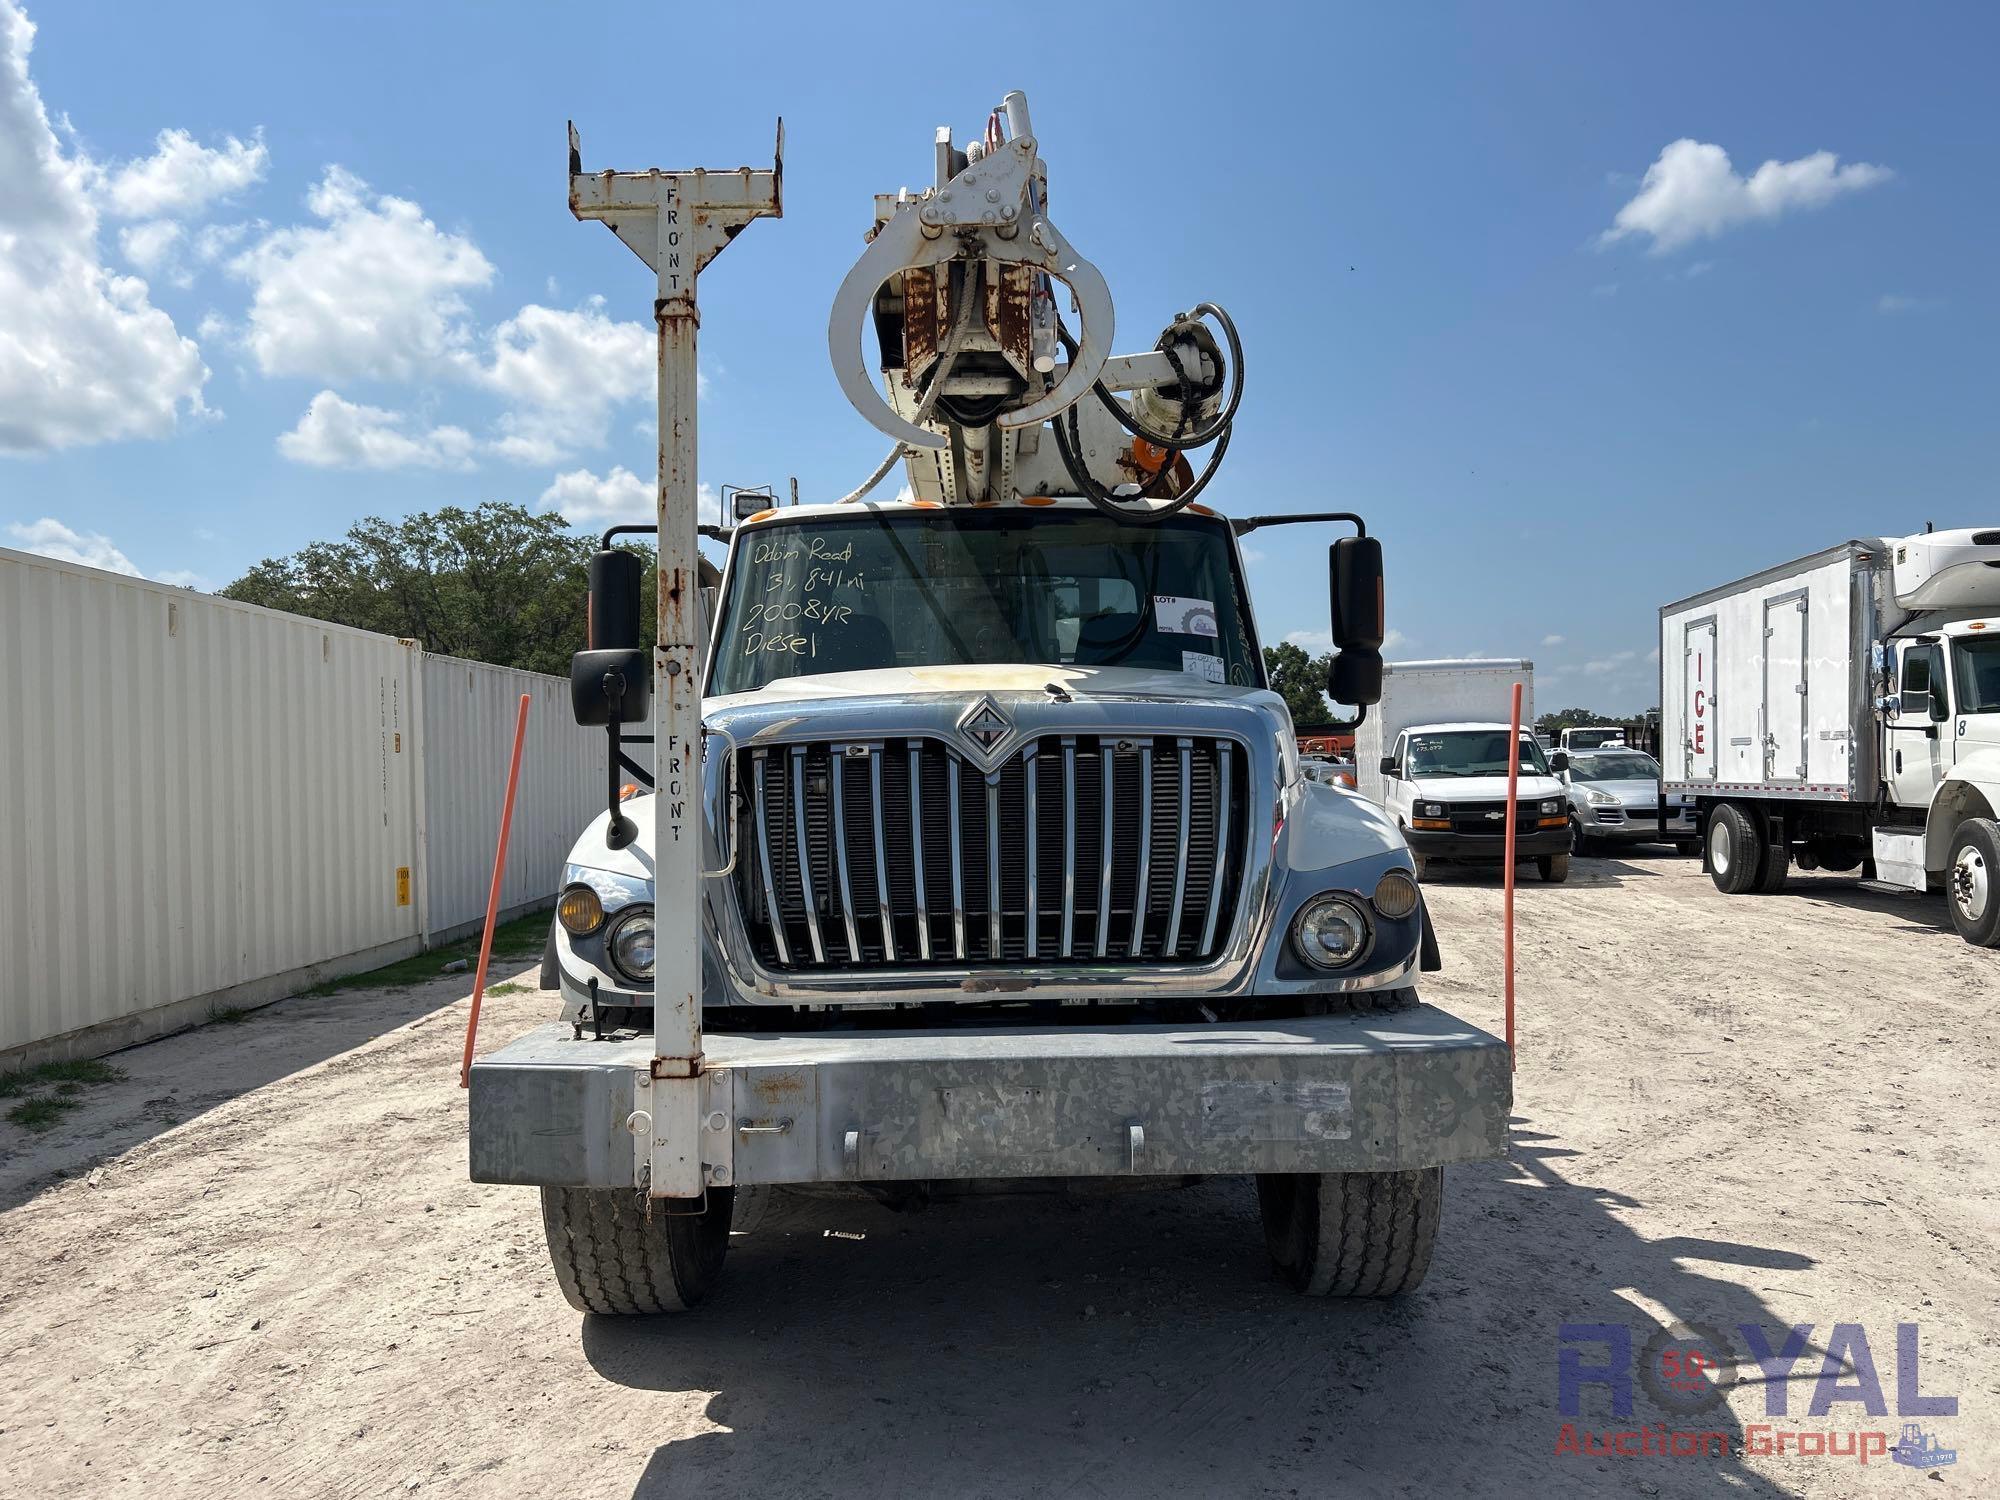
column 964, row 587
column 1629, row 767
column 1977, row 664
column 1471, row 752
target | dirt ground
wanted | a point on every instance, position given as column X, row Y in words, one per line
column 255, row 1266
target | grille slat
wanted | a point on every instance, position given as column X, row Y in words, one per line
column 830, row 837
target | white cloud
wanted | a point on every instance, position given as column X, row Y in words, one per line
column 1617, row 661
column 149, row 244
column 1692, row 192
column 182, row 176
column 162, row 248
column 1319, row 642
column 48, row 537
column 339, row 434
column 585, row 499
column 1894, row 302
column 84, row 356
column 375, row 289
column 1253, row 554
column 564, row 373
column 1553, row 640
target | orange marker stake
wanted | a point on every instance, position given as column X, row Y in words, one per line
column 1507, row 876
column 493, row 897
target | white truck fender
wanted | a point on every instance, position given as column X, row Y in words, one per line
column 1970, row 790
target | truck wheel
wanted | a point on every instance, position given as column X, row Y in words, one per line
column 1351, row 1234
column 1735, row 853
column 1554, row 868
column 1777, row 865
column 616, row 1251
column 1969, row 881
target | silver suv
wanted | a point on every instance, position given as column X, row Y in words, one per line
column 1614, row 796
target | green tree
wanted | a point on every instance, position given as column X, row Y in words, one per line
column 1555, row 722
column 1301, row 681
column 496, row 583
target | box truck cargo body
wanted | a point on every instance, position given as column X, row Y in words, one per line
column 1438, row 692
column 1843, row 712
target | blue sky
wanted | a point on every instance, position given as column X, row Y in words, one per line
column 346, row 282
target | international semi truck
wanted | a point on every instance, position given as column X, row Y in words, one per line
column 978, row 856
column 1842, row 712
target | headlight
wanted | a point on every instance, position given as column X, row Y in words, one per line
column 580, row 911
column 1601, row 799
column 631, row 944
column 1330, row 932
column 1551, row 806
column 1395, row 895
column 1432, row 810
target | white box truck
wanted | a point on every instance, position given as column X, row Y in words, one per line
column 1433, row 753
column 1842, row 712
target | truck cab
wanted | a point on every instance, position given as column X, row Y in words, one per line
column 1446, row 787
column 1019, row 751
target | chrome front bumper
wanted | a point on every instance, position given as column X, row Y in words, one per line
column 1352, row 1093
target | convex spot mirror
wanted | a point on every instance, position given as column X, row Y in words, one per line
column 611, row 687
column 1355, row 678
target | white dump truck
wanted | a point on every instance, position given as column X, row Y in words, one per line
column 980, row 855
column 1842, row 712
column 1433, row 754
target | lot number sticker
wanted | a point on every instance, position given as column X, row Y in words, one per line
column 1198, row 664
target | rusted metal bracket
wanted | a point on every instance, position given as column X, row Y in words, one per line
column 677, row 222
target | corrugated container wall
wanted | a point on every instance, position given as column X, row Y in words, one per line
column 204, row 803
column 467, row 723
column 197, row 798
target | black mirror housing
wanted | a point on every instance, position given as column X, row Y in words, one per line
column 615, row 578
column 1354, row 595
column 1389, row 767
column 608, row 687
column 1559, row 761
column 1356, row 677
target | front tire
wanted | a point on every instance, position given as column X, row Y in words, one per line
column 1969, row 882
column 616, row 1251
column 1735, row 853
column 1554, row 868
column 1351, row 1234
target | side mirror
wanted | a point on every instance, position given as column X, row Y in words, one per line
column 1559, row 762
column 1354, row 597
column 611, row 687
column 1356, row 677
column 614, row 601
column 1389, row 766
column 1940, row 710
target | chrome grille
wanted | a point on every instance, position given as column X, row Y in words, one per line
column 901, row 853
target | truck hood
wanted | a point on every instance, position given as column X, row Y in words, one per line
column 635, row 859
column 1127, row 683
column 1485, row 788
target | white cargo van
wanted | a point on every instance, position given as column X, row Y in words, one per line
column 1433, row 753
column 1843, row 712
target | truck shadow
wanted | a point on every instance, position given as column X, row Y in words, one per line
column 1919, row 913
column 1139, row 1345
